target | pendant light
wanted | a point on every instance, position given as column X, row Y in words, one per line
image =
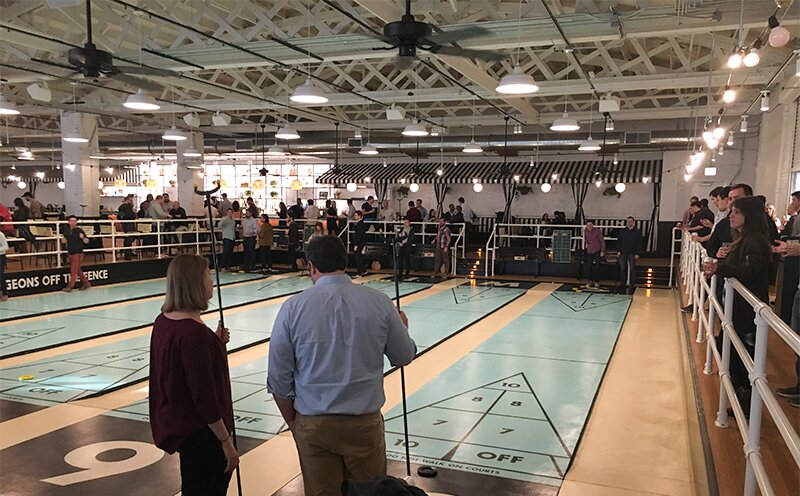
column 472, row 146
column 368, row 149
column 590, row 145
column 172, row 134
column 75, row 136
column 565, row 122
column 517, row 82
column 287, row 133
column 140, row 100
column 764, row 101
column 415, row 129
column 6, row 107
column 192, row 152
column 308, row 92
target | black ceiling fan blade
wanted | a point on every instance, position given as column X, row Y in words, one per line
column 55, row 64
column 145, row 71
column 457, row 34
column 136, row 82
column 467, row 53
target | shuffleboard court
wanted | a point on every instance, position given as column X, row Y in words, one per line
column 515, row 407
column 43, row 304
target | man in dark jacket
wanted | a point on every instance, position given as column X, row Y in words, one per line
column 406, row 238
column 126, row 213
column 629, row 244
column 359, row 242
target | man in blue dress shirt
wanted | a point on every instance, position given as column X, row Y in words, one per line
column 326, row 370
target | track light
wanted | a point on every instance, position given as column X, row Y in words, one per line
column 765, row 101
column 743, row 126
column 141, row 101
column 609, row 124
column 730, row 138
column 616, row 159
column 719, row 133
column 517, row 128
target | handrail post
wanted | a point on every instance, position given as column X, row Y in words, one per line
column 58, row 243
column 197, row 235
column 113, row 242
column 699, row 306
column 724, row 367
column 158, row 237
column 753, row 446
column 708, row 368
column 696, row 288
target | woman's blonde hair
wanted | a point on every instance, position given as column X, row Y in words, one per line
column 186, row 285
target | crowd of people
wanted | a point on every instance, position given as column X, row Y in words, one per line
column 745, row 239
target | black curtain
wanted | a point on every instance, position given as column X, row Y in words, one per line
column 380, row 191
column 509, row 192
column 579, row 191
column 440, row 190
column 652, row 230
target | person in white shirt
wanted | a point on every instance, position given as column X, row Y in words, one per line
column 465, row 210
column 386, row 212
column 311, row 212
column 350, row 210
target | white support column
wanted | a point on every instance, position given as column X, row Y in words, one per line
column 189, row 178
column 81, row 174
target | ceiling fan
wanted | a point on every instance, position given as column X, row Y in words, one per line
column 93, row 62
column 409, row 35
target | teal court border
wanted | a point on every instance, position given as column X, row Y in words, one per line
column 53, row 300
column 109, row 367
column 252, row 412
column 475, row 422
column 12, row 336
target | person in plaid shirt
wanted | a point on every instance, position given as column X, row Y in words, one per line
column 441, row 263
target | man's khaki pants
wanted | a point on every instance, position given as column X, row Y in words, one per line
column 337, row 447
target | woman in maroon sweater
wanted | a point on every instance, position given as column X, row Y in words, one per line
column 190, row 391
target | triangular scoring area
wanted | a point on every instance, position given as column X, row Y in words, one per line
column 500, row 425
column 36, row 333
column 462, row 295
column 578, row 302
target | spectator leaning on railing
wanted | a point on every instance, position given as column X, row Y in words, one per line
column 747, row 260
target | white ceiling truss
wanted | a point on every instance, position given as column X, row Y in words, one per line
column 657, row 62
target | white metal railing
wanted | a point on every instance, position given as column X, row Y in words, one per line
column 386, row 229
column 158, row 235
column 504, row 233
column 700, row 291
column 674, row 252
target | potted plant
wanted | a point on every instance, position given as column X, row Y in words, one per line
column 524, row 190
column 402, row 192
column 273, row 194
column 611, row 191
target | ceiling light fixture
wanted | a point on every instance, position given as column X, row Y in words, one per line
column 472, row 147
column 743, row 126
column 620, row 188
column 39, row 91
column 172, row 134
column 765, row 101
column 192, row 152
column 517, row 83
column 368, row 150
column 753, row 57
column 351, row 187
column 415, row 129
column 75, row 137
column 730, row 138
column 192, row 119
column 287, row 133
column 729, row 96
column 477, row 187
column 413, row 187
column 141, row 101
column 6, row 107
column 546, row 187
column 778, row 35
column 275, row 151
column 22, row 185
column 220, row 119
column 309, row 93
column 589, row 145
column 735, row 60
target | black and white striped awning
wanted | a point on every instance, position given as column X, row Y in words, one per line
column 569, row 172
column 131, row 176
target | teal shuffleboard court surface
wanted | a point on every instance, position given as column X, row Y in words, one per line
column 515, row 407
column 255, row 412
column 104, row 368
column 17, row 338
column 31, row 306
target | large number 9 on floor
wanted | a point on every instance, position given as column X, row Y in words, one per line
column 85, row 457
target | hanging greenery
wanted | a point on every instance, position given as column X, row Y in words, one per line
column 610, row 191
column 524, row 190
column 402, row 192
